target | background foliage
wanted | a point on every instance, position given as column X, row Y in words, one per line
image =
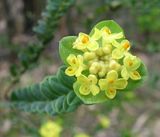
column 138, row 111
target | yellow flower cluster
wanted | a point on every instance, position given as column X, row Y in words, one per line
column 50, row 129
column 105, row 63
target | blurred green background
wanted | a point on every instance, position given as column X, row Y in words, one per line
column 133, row 114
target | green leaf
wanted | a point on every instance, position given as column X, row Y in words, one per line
column 65, row 47
column 28, row 94
column 53, row 95
column 54, row 107
column 112, row 25
column 50, row 88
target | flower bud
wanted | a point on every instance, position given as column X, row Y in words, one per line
column 92, row 79
column 106, row 58
column 103, row 70
column 92, row 61
column 94, row 68
column 99, row 52
column 113, row 65
column 89, row 55
column 107, row 49
column 102, row 73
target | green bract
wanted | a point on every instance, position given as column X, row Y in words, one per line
column 101, row 63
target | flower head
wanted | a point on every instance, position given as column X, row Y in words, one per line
column 103, row 64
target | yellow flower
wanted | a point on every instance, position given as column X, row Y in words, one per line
column 97, row 34
column 129, row 70
column 108, row 37
column 88, row 85
column 76, row 65
column 111, row 83
column 121, row 49
column 81, row 135
column 84, row 42
column 50, row 129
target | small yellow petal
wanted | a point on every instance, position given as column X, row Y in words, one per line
column 82, row 79
column 72, row 60
column 117, row 53
column 116, row 44
column 105, row 31
column 112, row 76
column 80, row 60
column 103, row 84
column 92, row 79
column 121, row 83
column 110, row 93
column 94, row 90
column 135, row 75
column 124, row 73
column 112, row 37
column 70, row 71
column 79, row 46
column 92, row 45
column 84, row 89
column 79, row 71
column 97, row 34
column 117, row 35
